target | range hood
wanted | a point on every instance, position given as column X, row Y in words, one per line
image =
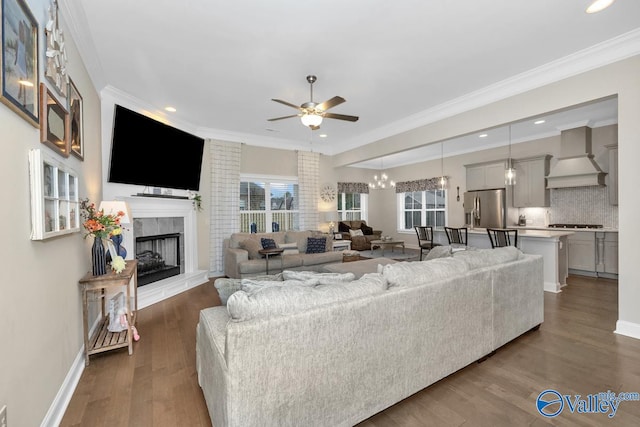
column 575, row 166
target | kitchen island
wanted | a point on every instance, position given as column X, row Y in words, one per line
column 551, row 244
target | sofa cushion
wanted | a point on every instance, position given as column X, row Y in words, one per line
column 316, row 245
column 366, row 230
column 268, row 243
column 252, row 246
column 358, row 232
column 480, row 258
column 321, row 278
column 439, row 252
column 289, row 248
column 251, row 286
column 298, row 237
column 343, row 228
column 282, row 300
column 407, row 274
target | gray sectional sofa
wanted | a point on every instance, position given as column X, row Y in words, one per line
column 240, row 262
column 323, row 352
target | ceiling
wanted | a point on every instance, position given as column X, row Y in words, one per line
column 219, row 63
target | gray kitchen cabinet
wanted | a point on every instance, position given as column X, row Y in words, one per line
column 612, row 176
column 582, row 251
column 607, row 252
column 530, row 189
column 485, row 176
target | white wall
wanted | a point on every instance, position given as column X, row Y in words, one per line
column 40, row 307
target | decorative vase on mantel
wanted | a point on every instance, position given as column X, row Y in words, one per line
column 98, row 258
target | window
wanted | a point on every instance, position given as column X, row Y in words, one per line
column 352, row 206
column 422, row 208
column 268, row 204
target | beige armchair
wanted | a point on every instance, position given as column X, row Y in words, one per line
column 359, row 243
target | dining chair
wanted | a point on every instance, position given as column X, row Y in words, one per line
column 501, row 237
column 425, row 239
column 456, row 236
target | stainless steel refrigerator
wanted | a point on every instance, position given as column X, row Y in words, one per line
column 485, row 208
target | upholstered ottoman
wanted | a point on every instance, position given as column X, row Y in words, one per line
column 359, row 268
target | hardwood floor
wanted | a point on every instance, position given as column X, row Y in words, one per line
column 573, row 352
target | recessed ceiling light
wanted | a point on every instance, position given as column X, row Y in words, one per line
column 323, row 135
column 483, row 135
column 599, row 5
column 539, row 122
column 170, row 109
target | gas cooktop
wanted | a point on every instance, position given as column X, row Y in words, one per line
column 575, row 225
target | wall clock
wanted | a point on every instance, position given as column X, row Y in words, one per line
column 328, row 193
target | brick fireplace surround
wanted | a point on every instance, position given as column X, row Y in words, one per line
column 152, row 207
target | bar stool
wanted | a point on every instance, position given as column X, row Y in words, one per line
column 456, row 236
column 425, row 238
column 501, row 237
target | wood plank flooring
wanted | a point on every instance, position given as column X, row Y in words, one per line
column 574, row 352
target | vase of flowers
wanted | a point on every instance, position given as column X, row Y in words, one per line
column 101, row 227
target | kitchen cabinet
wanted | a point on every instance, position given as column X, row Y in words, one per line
column 612, row 176
column 582, row 251
column 485, row 176
column 530, row 189
column 607, row 252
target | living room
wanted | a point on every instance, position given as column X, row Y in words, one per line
column 41, row 319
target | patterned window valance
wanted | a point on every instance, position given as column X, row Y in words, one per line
column 419, row 185
column 353, row 187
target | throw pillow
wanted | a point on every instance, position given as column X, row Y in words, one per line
column 343, row 228
column 366, row 230
column 289, row 248
column 316, row 245
column 252, row 246
column 356, row 233
column 268, row 243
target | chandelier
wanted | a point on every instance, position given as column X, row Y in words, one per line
column 381, row 180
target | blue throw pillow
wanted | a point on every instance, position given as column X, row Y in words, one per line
column 268, row 243
column 316, row 245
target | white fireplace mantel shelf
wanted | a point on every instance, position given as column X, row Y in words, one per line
column 157, row 207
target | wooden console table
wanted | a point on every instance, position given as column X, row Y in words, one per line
column 102, row 339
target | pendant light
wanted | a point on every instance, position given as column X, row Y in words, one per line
column 443, row 179
column 510, row 172
column 382, row 180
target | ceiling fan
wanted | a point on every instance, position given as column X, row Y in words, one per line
column 311, row 113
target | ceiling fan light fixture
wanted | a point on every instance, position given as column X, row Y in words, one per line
column 311, row 120
column 599, row 5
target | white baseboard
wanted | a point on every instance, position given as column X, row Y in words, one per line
column 553, row 287
column 628, row 329
column 166, row 288
column 63, row 397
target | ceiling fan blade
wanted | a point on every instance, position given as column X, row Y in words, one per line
column 336, row 100
column 280, row 118
column 314, row 127
column 341, row 117
column 288, row 104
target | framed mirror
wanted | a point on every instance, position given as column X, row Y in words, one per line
column 54, row 123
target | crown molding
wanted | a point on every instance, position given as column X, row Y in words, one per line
column 599, row 55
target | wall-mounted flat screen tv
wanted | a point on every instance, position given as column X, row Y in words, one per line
column 147, row 152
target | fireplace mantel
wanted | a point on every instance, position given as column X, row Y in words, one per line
column 156, row 207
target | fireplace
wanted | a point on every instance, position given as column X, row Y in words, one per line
column 154, row 216
column 158, row 257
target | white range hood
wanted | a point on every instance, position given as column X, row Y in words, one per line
column 575, row 166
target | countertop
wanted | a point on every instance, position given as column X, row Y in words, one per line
column 537, row 233
column 533, row 227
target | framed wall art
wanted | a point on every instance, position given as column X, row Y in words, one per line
column 19, row 81
column 56, row 55
column 76, row 121
column 54, row 122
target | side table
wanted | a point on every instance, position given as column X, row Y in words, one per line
column 102, row 339
column 272, row 252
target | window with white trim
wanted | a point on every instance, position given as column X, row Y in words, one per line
column 427, row 207
column 352, row 206
column 268, row 204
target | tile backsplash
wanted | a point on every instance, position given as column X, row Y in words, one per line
column 581, row 205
